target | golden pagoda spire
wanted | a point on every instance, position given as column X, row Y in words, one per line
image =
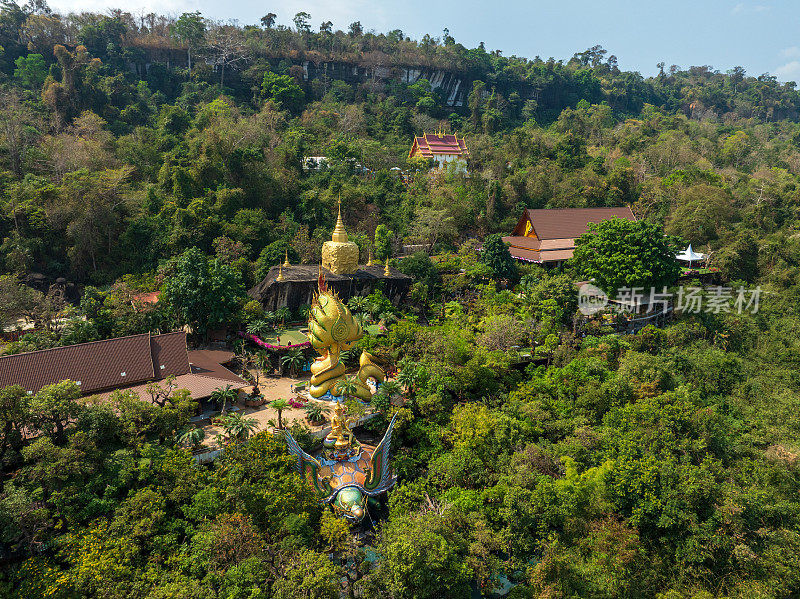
column 286, row 261
column 280, row 273
column 386, row 270
column 370, row 262
column 339, row 234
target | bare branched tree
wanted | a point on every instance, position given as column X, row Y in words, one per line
column 225, row 47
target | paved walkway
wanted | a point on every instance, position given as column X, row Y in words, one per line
column 272, row 389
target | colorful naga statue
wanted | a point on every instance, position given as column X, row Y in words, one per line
column 347, row 474
column 332, row 330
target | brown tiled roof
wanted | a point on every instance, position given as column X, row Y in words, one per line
column 555, row 255
column 517, row 241
column 569, row 223
column 524, row 254
column 99, row 365
column 198, row 386
column 169, row 354
column 209, row 362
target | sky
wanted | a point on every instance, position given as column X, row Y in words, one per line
column 760, row 35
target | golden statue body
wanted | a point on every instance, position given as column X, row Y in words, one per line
column 331, row 330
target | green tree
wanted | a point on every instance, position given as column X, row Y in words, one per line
column 283, row 90
column 620, row 253
column 383, row 242
column 200, row 292
column 421, row 556
column 31, row 70
column 279, row 405
column 190, row 28
column 496, row 256
column 55, row 406
column 293, row 360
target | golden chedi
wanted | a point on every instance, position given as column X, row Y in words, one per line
column 339, row 255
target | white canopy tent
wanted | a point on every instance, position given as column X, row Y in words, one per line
column 689, row 255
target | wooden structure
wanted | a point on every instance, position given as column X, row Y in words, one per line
column 548, row 236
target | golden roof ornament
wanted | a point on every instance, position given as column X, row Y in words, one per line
column 339, row 234
column 280, row 273
column 370, row 262
column 386, row 270
column 286, row 261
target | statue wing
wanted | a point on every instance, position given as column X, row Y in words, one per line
column 307, row 465
column 380, row 476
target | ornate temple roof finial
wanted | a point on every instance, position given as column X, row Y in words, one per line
column 370, row 262
column 386, row 270
column 339, row 234
column 286, row 261
column 280, row 273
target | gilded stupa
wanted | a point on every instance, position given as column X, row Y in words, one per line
column 340, row 255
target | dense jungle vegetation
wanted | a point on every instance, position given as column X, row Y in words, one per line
column 144, row 154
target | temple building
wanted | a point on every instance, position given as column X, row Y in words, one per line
column 548, row 236
column 440, row 147
column 127, row 363
column 292, row 286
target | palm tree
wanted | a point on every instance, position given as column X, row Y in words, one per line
column 293, row 360
column 387, row 317
column 238, row 427
column 258, row 327
column 262, row 361
column 391, row 389
column 223, row 396
column 303, row 311
column 357, row 303
column 408, row 377
column 347, row 387
column 191, row 437
column 279, row 405
column 283, row 314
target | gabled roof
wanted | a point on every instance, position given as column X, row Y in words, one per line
column 108, row 364
column 568, row 223
column 430, row 145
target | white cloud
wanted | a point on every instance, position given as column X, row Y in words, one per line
column 789, row 71
column 744, row 7
column 791, row 52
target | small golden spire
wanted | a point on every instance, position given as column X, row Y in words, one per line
column 280, row 273
column 286, row 261
column 370, row 262
column 339, row 234
column 386, row 270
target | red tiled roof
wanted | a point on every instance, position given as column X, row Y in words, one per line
column 199, row 386
column 569, row 223
column 430, row 145
column 146, row 298
column 99, row 365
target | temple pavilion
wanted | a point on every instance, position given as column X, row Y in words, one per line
column 293, row 285
column 440, row 147
column 548, row 236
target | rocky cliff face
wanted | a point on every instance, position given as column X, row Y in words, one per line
column 453, row 86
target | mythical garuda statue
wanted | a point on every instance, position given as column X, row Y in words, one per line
column 347, row 474
column 332, row 330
